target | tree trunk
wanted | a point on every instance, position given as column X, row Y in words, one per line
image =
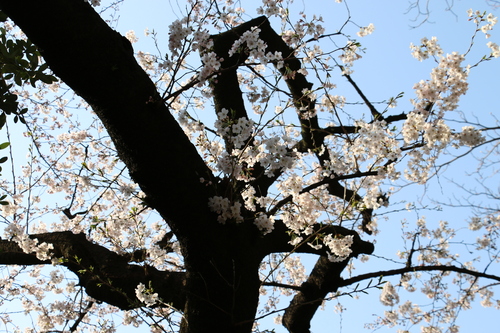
column 222, row 296
column 222, row 281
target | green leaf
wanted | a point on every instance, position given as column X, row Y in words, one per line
column 3, row 159
column 3, row 119
column 43, row 67
column 47, row 78
column 4, row 145
column 3, row 17
column 17, row 80
column 33, row 59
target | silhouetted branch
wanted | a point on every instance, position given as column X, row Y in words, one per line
column 399, row 271
column 105, row 275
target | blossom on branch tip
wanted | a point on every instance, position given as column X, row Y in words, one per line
column 428, row 47
column 211, row 64
column 469, row 137
column 226, row 209
column 389, row 296
column 130, row 35
column 145, row 295
column 340, row 247
column 264, row 223
column 495, row 49
column 271, row 8
column 365, row 31
column 177, row 35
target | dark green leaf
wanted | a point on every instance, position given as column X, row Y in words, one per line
column 3, row 17
column 17, row 80
column 3, row 119
column 47, row 78
column 3, row 159
column 4, row 145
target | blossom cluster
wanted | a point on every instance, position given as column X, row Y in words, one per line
column 201, row 40
column 272, row 153
column 29, row 245
column 349, row 55
column 211, row 64
column 479, row 17
column 333, row 101
column 447, row 84
column 365, row 31
column 389, row 296
column 225, row 209
column 237, row 132
column 130, row 35
column 264, row 223
column 375, row 141
column 428, row 48
column 340, row 247
column 304, row 27
column 145, row 295
column 249, row 43
column 469, row 136
column 271, row 8
column 495, row 49
column 178, row 31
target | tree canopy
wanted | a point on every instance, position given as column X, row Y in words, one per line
column 181, row 190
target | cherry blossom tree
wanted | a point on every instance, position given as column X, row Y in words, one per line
column 179, row 194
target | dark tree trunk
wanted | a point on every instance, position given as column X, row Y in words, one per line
column 222, row 295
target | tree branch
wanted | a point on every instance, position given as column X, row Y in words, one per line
column 323, row 279
column 312, row 135
column 105, row 275
column 279, row 240
column 325, row 181
column 399, row 271
column 375, row 114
